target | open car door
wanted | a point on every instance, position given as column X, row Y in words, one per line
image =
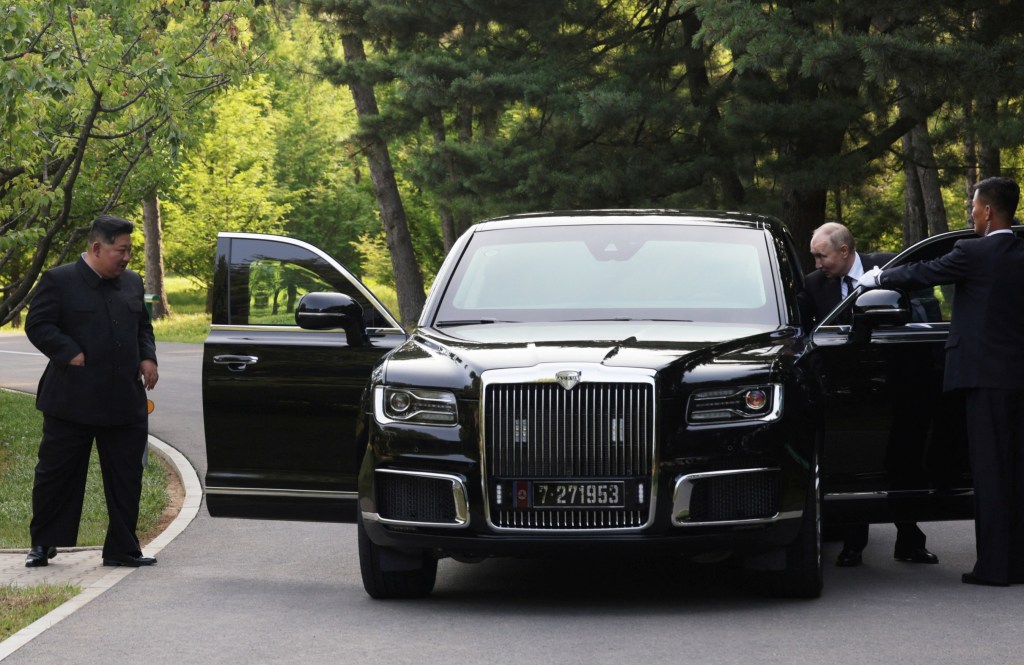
column 895, row 445
column 281, row 402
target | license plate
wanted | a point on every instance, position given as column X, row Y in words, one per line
column 578, row 494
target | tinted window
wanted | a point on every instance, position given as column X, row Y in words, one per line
column 269, row 276
column 632, row 271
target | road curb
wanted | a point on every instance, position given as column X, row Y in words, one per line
column 189, row 509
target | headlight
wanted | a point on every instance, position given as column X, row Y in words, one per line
column 415, row 405
column 735, row 405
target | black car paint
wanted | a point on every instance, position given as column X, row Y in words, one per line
column 829, row 371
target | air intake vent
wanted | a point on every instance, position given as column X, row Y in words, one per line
column 410, row 498
column 735, row 497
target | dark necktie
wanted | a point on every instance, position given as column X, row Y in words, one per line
column 849, row 284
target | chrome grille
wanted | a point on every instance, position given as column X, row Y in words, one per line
column 593, row 431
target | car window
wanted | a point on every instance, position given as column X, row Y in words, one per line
column 275, row 287
column 268, row 277
column 678, row 272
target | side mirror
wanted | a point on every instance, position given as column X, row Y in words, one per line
column 877, row 308
column 328, row 311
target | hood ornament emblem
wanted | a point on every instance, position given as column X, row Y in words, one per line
column 568, row 378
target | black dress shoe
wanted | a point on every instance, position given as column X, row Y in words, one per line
column 848, row 558
column 971, row 578
column 39, row 556
column 916, row 555
column 129, row 560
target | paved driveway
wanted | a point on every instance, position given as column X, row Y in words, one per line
column 235, row 591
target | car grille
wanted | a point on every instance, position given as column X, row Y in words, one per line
column 594, row 431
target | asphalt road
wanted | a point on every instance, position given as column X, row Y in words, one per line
column 236, row 591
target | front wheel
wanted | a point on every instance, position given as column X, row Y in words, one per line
column 802, row 576
column 392, row 573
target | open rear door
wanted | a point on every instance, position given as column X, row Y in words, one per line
column 280, row 403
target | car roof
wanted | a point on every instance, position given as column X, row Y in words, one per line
column 628, row 216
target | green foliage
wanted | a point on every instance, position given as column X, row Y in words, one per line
column 227, row 182
column 88, row 93
column 795, row 108
column 772, row 107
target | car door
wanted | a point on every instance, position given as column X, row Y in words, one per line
column 280, row 402
column 894, row 444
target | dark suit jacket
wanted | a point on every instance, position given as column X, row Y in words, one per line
column 985, row 348
column 75, row 311
column 821, row 294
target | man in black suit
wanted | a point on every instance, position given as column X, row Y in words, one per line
column 985, row 359
column 89, row 318
column 838, row 267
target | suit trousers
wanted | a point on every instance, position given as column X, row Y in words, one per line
column 59, row 490
column 995, row 438
column 909, row 537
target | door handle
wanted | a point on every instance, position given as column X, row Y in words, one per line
column 235, row 363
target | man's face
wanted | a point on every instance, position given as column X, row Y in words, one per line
column 110, row 260
column 831, row 261
column 981, row 214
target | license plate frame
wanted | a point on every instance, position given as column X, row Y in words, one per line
column 578, row 494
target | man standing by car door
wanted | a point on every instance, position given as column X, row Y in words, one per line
column 985, row 359
column 839, row 266
column 89, row 319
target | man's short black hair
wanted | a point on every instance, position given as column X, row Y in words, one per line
column 106, row 229
column 1003, row 194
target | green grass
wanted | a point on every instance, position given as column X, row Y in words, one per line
column 20, row 606
column 188, row 321
column 20, row 431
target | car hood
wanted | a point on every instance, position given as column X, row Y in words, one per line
column 456, row 357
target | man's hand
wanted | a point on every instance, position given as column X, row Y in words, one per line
column 149, row 373
column 871, row 278
column 78, row 361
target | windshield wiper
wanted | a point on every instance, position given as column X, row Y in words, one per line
column 628, row 318
column 469, row 322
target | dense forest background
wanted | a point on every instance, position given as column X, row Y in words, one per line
column 380, row 129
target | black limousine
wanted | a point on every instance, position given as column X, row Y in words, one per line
column 621, row 381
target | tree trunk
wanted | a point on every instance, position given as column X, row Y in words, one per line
column 989, row 162
column 915, row 219
column 970, row 159
column 153, row 232
column 709, row 131
column 448, row 231
column 928, row 174
column 803, row 210
column 408, row 279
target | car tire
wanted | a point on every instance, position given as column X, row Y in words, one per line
column 392, row 573
column 802, row 576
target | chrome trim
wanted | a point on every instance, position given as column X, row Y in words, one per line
column 326, row 257
column 235, row 363
column 269, row 491
column 683, row 492
column 458, row 496
column 293, row 328
column 897, row 494
column 772, row 416
column 546, row 373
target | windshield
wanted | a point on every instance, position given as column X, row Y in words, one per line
column 606, row 272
